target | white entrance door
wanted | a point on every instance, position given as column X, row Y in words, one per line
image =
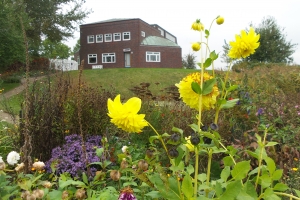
column 127, row 59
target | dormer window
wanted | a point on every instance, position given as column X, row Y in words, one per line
column 143, row 34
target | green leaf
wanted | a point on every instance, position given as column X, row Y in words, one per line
column 218, row 189
column 99, row 152
column 178, row 130
column 207, row 63
column 84, row 178
column 250, row 189
column 244, row 196
column 196, row 87
column 240, row 170
column 152, row 138
column 129, row 183
column 228, row 161
column 190, row 169
column 269, row 195
column 269, row 144
column 225, row 173
column 213, row 55
column 265, row 181
column 232, row 190
column 297, row 192
column 55, row 194
column 206, row 33
column 277, row 174
column 229, row 104
column 270, row 165
column 280, row 187
column 208, row 86
column 202, row 177
column 232, row 88
column 187, row 186
column 153, row 194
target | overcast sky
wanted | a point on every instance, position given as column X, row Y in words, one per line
column 176, row 17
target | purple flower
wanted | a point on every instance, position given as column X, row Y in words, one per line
column 259, row 112
column 69, row 157
column 127, row 194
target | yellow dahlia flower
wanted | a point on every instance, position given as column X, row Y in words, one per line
column 190, row 97
column 220, row 20
column 125, row 115
column 244, row 45
column 197, row 26
column 196, row 46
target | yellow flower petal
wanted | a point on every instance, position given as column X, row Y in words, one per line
column 125, row 115
column 244, row 44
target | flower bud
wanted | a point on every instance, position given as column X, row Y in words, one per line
column 65, row 195
column 115, row 175
column 19, row 167
column 38, row 193
column 173, row 153
column 149, row 153
column 214, row 126
column 143, row 165
column 196, row 46
column 47, row 184
column 197, row 26
column 195, row 140
column 220, row 20
column 124, row 164
column 175, row 137
column 207, row 140
column 204, row 128
column 80, row 194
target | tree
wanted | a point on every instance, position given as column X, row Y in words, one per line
column 189, row 61
column 55, row 50
column 76, row 48
column 11, row 39
column 50, row 19
column 274, row 48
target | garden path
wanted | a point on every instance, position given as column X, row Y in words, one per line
column 6, row 116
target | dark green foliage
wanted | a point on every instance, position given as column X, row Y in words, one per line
column 274, row 48
column 54, row 50
column 189, row 61
column 11, row 40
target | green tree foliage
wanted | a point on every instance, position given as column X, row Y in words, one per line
column 11, row 39
column 274, row 47
column 189, row 61
column 55, row 50
column 76, row 47
column 54, row 19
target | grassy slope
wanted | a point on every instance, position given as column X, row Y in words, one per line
column 123, row 79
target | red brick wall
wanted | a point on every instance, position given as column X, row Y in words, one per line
column 170, row 56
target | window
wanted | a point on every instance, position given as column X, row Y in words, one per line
column 152, row 56
column 126, row 35
column 99, row 38
column 162, row 32
column 108, row 37
column 108, row 58
column 90, row 39
column 117, row 36
column 92, row 58
column 143, row 34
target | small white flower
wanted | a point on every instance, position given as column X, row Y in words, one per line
column 13, row 157
column 124, row 149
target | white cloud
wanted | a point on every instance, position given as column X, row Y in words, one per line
column 176, row 16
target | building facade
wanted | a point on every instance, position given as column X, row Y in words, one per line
column 119, row 43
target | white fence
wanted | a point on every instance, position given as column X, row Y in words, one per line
column 63, row 64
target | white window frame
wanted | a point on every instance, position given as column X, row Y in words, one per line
column 99, row 36
column 152, row 56
column 117, row 35
column 143, row 34
column 106, row 36
column 92, row 56
column 126, row 34
column 105, row 56
column 90, row 37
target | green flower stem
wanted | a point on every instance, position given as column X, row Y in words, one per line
column 196, row 172
column 162, row 141
column 179, row 189
column 208, row 170
column 227, row 150
column 287, row 195
column 260, row 157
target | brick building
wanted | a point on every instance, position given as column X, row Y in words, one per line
column 119, row 43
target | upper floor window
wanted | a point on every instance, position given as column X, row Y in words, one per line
column 108, row 58
column 92, row 58
column 143, row 34
column 90, row 39
column 107, row 37
column 99, row 38
column 152, row 56
column 126, row 35
column 117, row 36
